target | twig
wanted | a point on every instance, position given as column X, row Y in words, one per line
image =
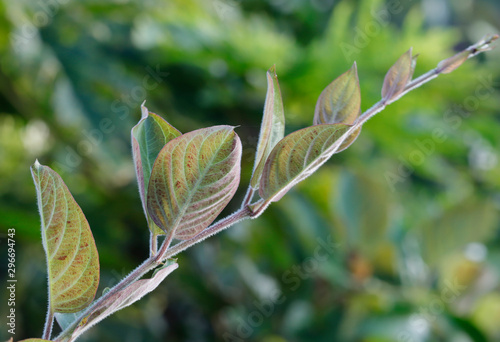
column 244, row 213
column 49, row 322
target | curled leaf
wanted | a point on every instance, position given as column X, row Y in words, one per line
column 340, row 101
column 124, row 298
column 398, row 76
column 300, row 154
column 193, row 179
column 149, row 136
column 72, row 259
column 272, row 129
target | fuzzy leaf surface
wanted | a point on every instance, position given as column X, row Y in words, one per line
column 301, row 153
column 149, row 136
column 193, row 179
column 340, row 101
column 272, row 129
column 72, row 259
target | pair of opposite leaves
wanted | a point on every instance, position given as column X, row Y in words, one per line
column 186, row 180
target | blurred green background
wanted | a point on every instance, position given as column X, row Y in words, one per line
column 395, row 239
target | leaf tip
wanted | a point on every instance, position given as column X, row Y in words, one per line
column 36, row 166
column 144, row 110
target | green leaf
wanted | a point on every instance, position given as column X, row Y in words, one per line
column 32, row 340
column 148, row 138
column 340, row 102
column 272, row 129
column 72, row 259
column 301, row 153
column 66, row 319
column 398, row 76
column 123, row 298
column 193, row 179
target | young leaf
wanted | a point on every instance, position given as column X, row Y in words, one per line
column 124, row 298
column 148, row 137
column 340, row 102
column 72, row 259
column 193, row 179
column 398, row 76
column 448, row 65
column 272, row 129
column 301, row 153
column 413, row 66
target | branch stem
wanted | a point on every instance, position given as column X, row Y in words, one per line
column 49, row 322
column 152, row 262
column 244, row 212
column 153, row 244
column 248, row 197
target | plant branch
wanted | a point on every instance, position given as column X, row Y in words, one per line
column 153, row 244
column 481, row 46
column 257, row 208
column 445, row 66
column 164, row 247
column 153, row 261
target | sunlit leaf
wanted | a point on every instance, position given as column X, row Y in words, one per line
column 124, row 298
column 72, row 259
column 398, row 76
column 340, row 102
column 193, row 179
column 301, row 153
column 272, row 129
column 32, row 340
column 148, row 137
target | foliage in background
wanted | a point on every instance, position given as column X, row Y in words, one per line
column 89, row 64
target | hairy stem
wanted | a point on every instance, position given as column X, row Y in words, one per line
column 217, row 227
column 164, row 247
column 248, row 197
column 153, row 244
column 481, row 46
column 244, row 213
column 153, row 261
column 49, row 322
